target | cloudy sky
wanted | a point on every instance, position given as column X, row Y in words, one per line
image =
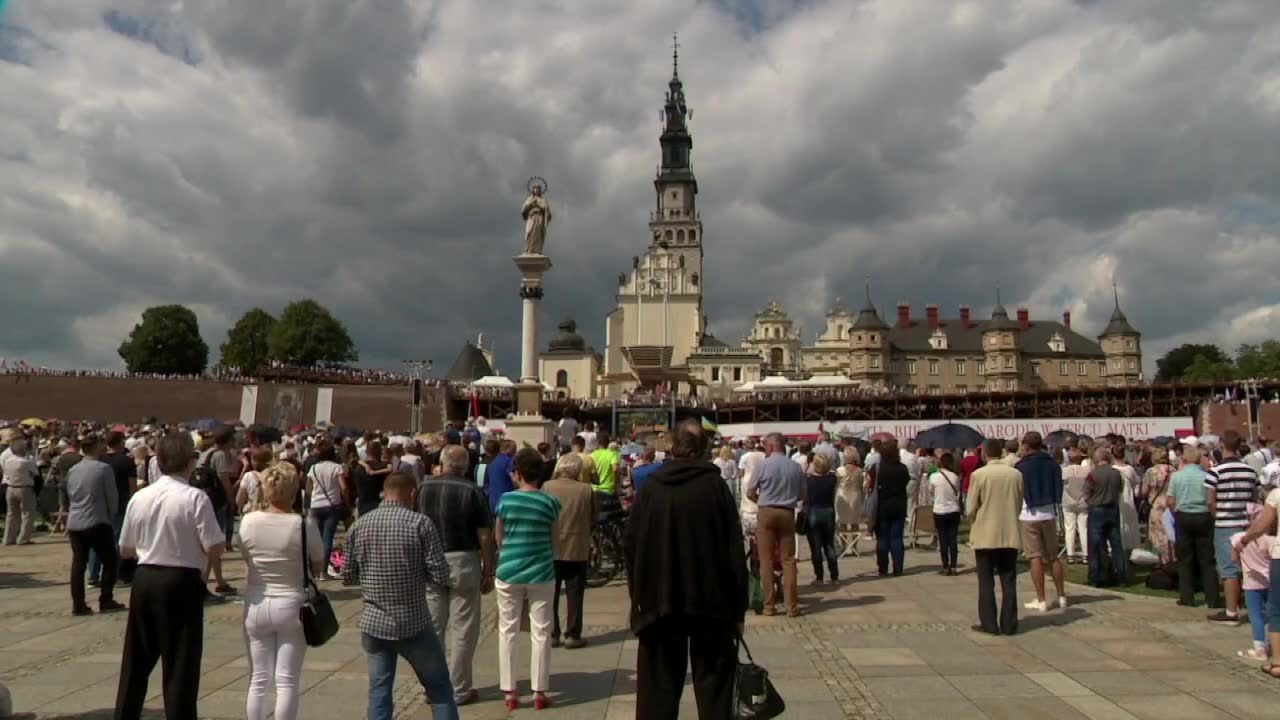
column 372, row 154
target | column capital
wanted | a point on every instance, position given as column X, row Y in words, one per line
column 528, row 292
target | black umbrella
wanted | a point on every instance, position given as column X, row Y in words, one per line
column 342, row 432
column 950, row 436
column 1058, row 438
column 266, row 433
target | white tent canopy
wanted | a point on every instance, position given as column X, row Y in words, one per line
column 493, row 381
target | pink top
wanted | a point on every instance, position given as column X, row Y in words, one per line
column 1255, row 559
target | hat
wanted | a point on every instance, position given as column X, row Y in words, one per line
column 1190, row 440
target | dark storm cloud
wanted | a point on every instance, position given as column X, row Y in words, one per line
column 373, row 155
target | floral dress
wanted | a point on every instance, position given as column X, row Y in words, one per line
column 1156, row 482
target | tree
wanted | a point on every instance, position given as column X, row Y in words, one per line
column 1259, row 361
column 1174, row 364
column 246, row 345
column 1204, row 368
column 167, row 341
column 306, row 334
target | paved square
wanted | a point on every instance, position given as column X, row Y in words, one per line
column 896, row 648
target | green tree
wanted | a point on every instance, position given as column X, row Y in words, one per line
column 246, row 345
column 1259, row 361
column 1204, row 368
column 307, row 334
column 1174, row 364
column 166, row 341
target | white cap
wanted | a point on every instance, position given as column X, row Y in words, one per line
column 1190, row 440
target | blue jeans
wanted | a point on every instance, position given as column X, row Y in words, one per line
column 1104, row 529
column 822, row 541
column 95, row 565
column 889, row 531
column 426, row 656
column 1256, row 601
column 327, row 520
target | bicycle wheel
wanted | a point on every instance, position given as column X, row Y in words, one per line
column 605, row 559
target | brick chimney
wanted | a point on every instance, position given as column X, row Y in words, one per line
column 931, row 311
column 1066, row 318
column 964, row 317
column 904, row 315
column 1024, row 318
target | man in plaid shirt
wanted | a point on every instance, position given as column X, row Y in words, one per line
column 393, row 553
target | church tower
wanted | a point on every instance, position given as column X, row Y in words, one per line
column 1002, row 358
column 675, row 219
column 659, row 321
column 869, row 346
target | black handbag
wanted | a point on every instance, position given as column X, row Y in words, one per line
column 802, row 523
column 319, row 623
column 754, row 697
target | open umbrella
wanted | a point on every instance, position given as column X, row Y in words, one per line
column 342, row 432
column 297, row 429
column 1058, row 438
column 266, row 433
column 206, row 424
column 882, row 436
column 949, row 436
column 33, row 422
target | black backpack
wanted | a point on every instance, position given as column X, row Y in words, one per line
column 206, row 478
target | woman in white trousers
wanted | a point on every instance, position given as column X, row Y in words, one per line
column 272, row 544
column 526, row 530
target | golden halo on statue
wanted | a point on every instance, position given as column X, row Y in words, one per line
column 537, row 181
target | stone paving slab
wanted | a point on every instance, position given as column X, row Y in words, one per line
column 873, row 647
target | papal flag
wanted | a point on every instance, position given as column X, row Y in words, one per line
column 709, row 426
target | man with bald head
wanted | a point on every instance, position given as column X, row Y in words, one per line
column 460, row 511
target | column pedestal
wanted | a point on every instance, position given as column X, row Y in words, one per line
column 527, row 425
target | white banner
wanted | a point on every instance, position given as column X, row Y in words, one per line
column 324, row 405
column 249, row 404
column 1008, row 428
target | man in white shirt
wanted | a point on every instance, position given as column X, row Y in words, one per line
column 171, row 528
column 20, row 492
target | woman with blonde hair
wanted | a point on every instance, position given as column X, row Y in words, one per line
column 271, row 541
column 728, row 469
column 820, row 511
column 1156, row 482
column 852, row 489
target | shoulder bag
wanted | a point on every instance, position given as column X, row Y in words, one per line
column 754, row 696
column 319, row 623
column 946, row 475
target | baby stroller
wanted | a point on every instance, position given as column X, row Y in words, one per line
column 755, row 589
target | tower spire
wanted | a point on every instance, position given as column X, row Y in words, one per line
column 675, row 55
column 1115, row 290
column 868, row 279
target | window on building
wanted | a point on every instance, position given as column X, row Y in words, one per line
column 562, row 379
column 858, row 337
column 1035, row 369
column 1010, row 384
column 775, row 356
column 1082, row 368
column 933, row 367
column 1129, row 344
column 858, row 362
column 1062, row 368
column 911, row 367
column 1057, row 344
column 982, row 368
column 875, row 362
column 938, row 340
column 935, row 390
column 1133, row 364
column 1008, row 362
column 1116, row 364
column 715, row 374
column 960, row 368
column 1102, row 368
column 872, row 337
column 737, row 374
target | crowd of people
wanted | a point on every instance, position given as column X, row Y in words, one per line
column 435, row 522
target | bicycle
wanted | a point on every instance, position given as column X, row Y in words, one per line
column 606, row 560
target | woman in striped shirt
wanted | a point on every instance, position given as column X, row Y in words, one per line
column 526, row 530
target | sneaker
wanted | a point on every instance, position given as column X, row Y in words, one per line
column 225, row 589
column 82, row 611
column 331, row 575
column 1223, row 618
column 1252, row 654
column 111, row 606
column 1062, row 602
column 573, row 643
column 555, row 642
column 1038, row 605
column 94, row 582
column 211, row 599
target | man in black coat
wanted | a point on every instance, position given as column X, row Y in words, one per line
column 687, row 574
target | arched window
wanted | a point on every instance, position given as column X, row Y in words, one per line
column 680, row 236
column 562, row 379
column 693, row 236
column 775, row 356
column 670, row 235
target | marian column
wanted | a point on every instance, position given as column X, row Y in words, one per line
column 527, row 423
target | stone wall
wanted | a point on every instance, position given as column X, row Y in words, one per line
column 129, row 400
column 1218, row 417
